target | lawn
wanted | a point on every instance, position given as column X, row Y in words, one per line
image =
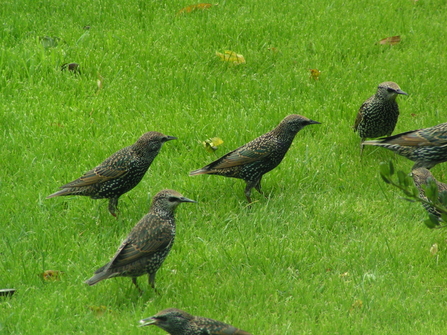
column 331, row 250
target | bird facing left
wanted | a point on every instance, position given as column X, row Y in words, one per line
column 119, row 173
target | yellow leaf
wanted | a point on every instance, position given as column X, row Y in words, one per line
column 434, row 249
column 231, row 57
column 393, row 40
column 211, row 144
column 192, row 8
column 315, row 74
column 51, row 275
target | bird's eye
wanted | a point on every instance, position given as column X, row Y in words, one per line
column 162, row 318
column 172, row 199
column 390, row 90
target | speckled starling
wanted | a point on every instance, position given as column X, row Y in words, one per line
column 178, row 322
column 252, row 160
column 378, row 115
column 148, row 244
column 422, row 176
column 119, row 173
column 426, row 147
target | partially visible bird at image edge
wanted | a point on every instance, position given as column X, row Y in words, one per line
column 119, row 173
column 147, row 245
column 254, row 159
column 426, row 147
column 178, row 322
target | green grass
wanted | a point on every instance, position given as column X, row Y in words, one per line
column 333, row 250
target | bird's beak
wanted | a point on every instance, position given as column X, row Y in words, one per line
column 170, row 138
column 401, row 92
column 314, row 122
column 183, row 199
column 148, row 321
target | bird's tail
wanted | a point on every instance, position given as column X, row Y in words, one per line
column 97, row 278
column 199, row 171
column 65, row 191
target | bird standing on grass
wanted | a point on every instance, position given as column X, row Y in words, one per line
column 252, row 160
column 378, row 115
column 426, row 147
column 148, row 244
column 119, row 173
column 422, row 176
column 178, row 322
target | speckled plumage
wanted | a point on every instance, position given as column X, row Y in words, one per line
column 252, row 160
column 178, row 322
column 426, row 147
column 119, row 173
column 422, row 176
column 148, row 244
column 378, row 115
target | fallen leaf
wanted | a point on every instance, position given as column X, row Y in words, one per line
column 358, row 304
column 231, row 57
column 434, row 249
column 315, row 74
column 51, row 275
column 211, row 144
column 192, row 8
column 99, row 82
column 393, row 40
column 98, row 310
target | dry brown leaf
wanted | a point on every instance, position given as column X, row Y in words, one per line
column 358, row 304
column 392, row 40
column 315, row 74
column 51, row 275
column 231, row 57
column 192, row 8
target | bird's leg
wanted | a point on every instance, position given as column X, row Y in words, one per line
column 361, row 147
column 113, row 203
column 134, row 281
column 258, row 187
column 151, row 282
column 250, row 185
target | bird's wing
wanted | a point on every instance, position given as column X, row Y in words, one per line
column 102, row 173
column 141, row 242
column 359, row 117
column 241, row 156
column 214, row 327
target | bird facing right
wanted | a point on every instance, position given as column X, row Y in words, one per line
column 178, row 322
column 119, row 173
column 148, row 244
column 426, row 147
column 252, row 160
column 422, row 176
column 378, row 115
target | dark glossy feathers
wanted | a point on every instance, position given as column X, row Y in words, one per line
column 422, row 176
column 178, row 322
column 426, row 147
column 119, row 173
column 148, row 244
column 259, row 156
column 378, row 115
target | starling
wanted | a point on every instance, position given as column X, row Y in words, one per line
column 252, row 160
column 426, row 147
column 178, row 322
column 119, row 173
column 147, row 245
column 378, row 115
column 422, row 176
